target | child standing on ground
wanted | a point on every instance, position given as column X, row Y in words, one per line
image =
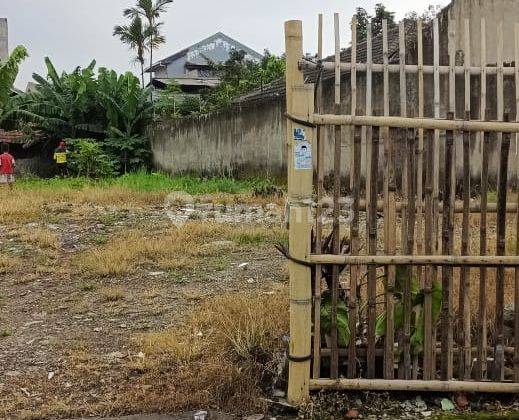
column 6, row 167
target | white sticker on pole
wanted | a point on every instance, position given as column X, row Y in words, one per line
column 302, row 150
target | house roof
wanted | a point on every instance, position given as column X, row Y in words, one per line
column 19, row 137
column 184, row 52
column 278, row 87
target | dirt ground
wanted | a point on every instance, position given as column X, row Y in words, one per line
column 69, row 321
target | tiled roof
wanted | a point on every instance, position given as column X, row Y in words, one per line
column 19, row 137
column 278, row 87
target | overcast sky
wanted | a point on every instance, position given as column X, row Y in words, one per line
column 73, row 32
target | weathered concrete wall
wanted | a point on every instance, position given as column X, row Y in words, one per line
column 4, row 38
column 233, row 142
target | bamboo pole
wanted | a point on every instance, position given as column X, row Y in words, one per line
column 353, row 80
column 500, row 250
column 429, row 342
column 447, row 229
column 316, row 366
column 299, row 99
column 390, row 222
column 368, row 130
column 419, row 169
column 334, row 364
column 416, row 386
column 424, row 260
column 372, row 250
column 409, row 68
column 481, row 365
column 405, row 362
column 399, row 122
column 355, row 248
column 516, row 283
column 475, row 207
column 482, row 321
column 465, row 359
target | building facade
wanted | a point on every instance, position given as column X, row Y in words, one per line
column 191, row 67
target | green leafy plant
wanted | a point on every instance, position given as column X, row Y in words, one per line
column 417, row 304
column 128, row 112
column 343, row 327
column 87, row 159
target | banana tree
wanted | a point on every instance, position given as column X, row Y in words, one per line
column 128, row 111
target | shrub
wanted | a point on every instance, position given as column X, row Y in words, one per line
column 88, row 159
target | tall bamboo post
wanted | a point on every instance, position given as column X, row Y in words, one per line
column 516, row 284
column 355, row 178
column 300, row 102
column 353, row 80
column 465, row 357
column 389, row 221
column 334, row 362
column 500, row 250
column 447, row 231
column 419, row 167
column 368, row 130
column 316, row 367
column 481, row 366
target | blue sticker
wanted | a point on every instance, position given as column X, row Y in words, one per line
column 299, row 134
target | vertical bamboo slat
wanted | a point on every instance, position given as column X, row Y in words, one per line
column 390, row 221
column 516, row 284
column 447, row 229
column 353, row 76
column 372, row 249
column 368, row 131
column 465, row 356
column 436, row 153
column 429, row 342
column 355, row 242
column 316, row 367
column 482, row 322
column 334, row 362
column 500, row 250
column 481, row 366
column 419, row 175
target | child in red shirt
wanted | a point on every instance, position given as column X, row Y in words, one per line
column 6, row 167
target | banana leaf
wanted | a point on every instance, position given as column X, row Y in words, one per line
column 343, row 328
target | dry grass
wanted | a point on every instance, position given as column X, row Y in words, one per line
column 112, row 293
column 172, row 248
column 223, row 356
column 40, row 237
column 9, row 264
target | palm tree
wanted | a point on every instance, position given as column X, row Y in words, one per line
column 151, row 11
column 135, row 35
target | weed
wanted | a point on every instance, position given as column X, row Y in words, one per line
column 5, row 333
column 112, row 293
column 87, row 287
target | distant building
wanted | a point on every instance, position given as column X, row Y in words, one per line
column 191, row 67
column 4, row 39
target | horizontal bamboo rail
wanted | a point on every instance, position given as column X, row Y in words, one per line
column 379, row 352
column 405, row 385
column 409, row 68
column 440, row 260
column 458, row 208
column 403, row 122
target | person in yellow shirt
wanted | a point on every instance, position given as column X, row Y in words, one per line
column 60, row 157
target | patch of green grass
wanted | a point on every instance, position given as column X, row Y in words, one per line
column 111, row 218
column 5, row 333
column 100, row 239
column 177, row 276
column 153, row 182
column 479, row 416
